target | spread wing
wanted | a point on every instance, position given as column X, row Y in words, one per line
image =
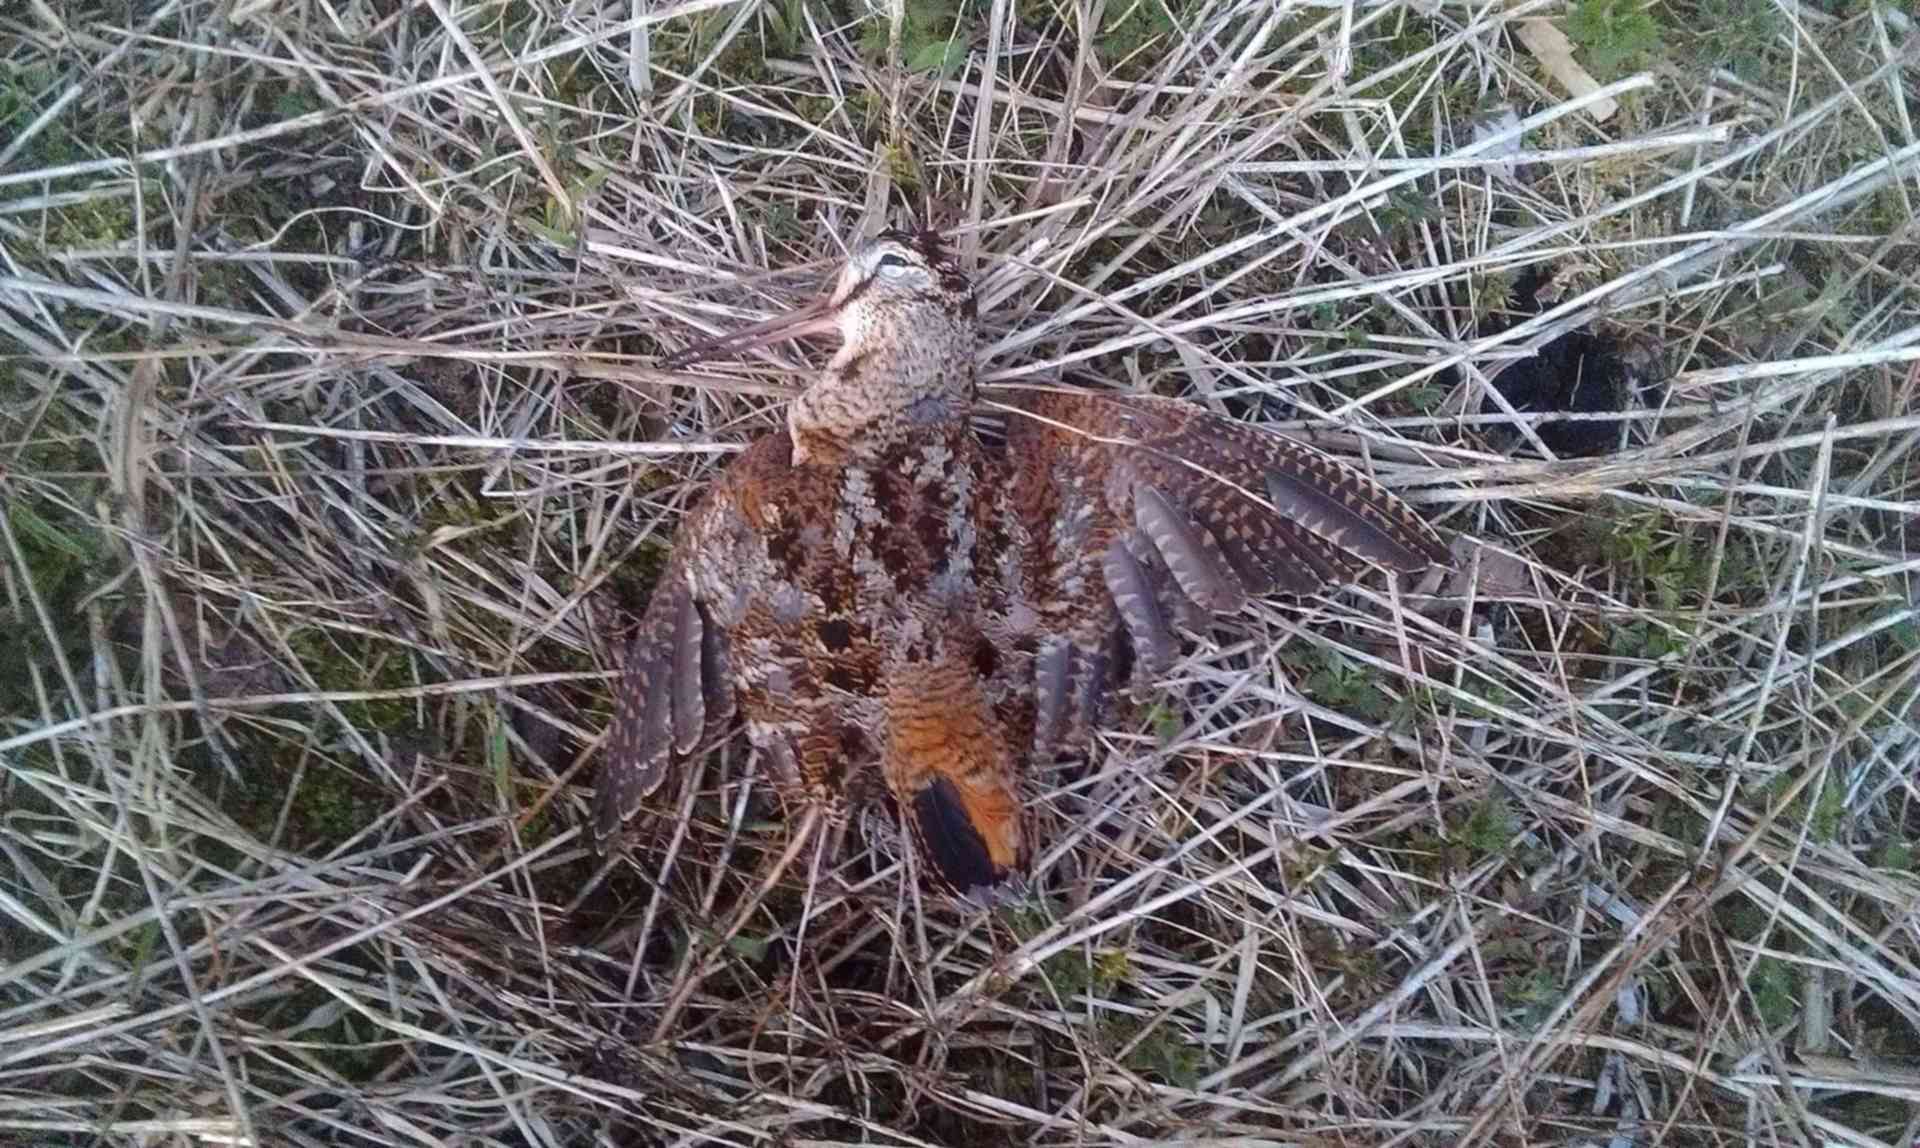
column 684, row 679
column 675, row 686
column 1144, row 513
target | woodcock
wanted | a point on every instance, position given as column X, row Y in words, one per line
column 881, row 591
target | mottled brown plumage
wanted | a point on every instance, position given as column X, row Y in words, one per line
column 1141, row 515
column 881, row 597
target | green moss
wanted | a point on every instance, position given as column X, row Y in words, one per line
column 1466, row 838
column 937, row 32
column 1678, row 819
column 1070, row 974
column 1488, row 829
column 1821, row 809
column 1301, row 869
column 1412, row 708
column 684, row 43
column 786, row 26
column 1737, row 35
column 137, row 946
column 1431, row 855
column 1896, row 855
column 1615, row 36
column 744, row 59
column 1657, row 562
column 332, row 1035
column 1532, row 995
column 539, row 829
column 1741, row 920
column 1485, row 698
column 1407, row 209
column 1771, row 985
column 1164, row 719
column 633, row 580
column 709, row 117
column 23, row 93
column 333, row 805
column 903, row 167
column 65, row 556
column 1648, row 640
column 1784, row 301
column 1361, row 968
column 817, row 110
column 1337, row 682
column 1424, row 398
column 1491, row 293
column 344, row 662
column 1128, row 28
column 1112, row 967
column 1375, row 53
column 1160, row 1053
column 1883, row 1117
column 325, row 803
column 1885, row 213
column 103, row 221
column 1065, row 974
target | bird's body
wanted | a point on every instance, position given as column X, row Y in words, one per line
column 879, row 595
column 826, row 588
column 847, row 592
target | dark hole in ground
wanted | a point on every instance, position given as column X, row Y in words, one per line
column 1580, row 372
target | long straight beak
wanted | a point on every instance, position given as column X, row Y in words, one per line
column 819, row 317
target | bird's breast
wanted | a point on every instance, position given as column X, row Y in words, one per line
column 903, row 526
column 838, row 570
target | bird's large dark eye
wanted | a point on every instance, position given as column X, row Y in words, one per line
column 892, row 261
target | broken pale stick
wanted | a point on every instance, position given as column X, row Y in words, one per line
column 1550, row 46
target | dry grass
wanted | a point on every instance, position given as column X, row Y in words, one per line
column 335, row 469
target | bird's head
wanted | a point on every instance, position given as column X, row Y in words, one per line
column 903, row 312
column 899, row 285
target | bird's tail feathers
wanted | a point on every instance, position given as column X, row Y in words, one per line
column 951, row 771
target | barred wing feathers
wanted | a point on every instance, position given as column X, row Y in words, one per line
column 1147, row 513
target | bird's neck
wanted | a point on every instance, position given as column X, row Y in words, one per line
column 873, row 395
